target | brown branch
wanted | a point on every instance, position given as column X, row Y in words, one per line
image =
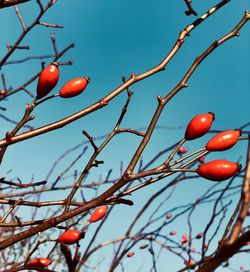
column 125, row 178
column 190, row 9
column 245, row 199
column 133, row 79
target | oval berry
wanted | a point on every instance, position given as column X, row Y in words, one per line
column 39, row 262
column 223, row 140
column 199, row 125
column 199, row 235
column 169, row 216
column 3, row 92
column 98, row 214
column 130, row 254
column 74, row 87
column 202, row 159
column 218, row 170
column 70, row 236
column 182, row 150
column 184, row 239
column 47, row 80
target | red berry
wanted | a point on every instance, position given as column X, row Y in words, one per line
column 70, row 236
column 130, row 254
column 188, row 263
column 182, row 150
column 3, row 92
column 199, row 126
column 39, row 262
column 199, row 235
column 172, row 232
column 47, row 80
column 202, row 159
column 205, row 245
column 218, row 170
column 184, row 239
column 223, row 140
column 169, row 215
column 74, row 87
column 98, row 214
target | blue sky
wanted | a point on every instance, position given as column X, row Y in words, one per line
column 112, row 40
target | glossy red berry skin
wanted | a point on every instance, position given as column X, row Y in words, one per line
column 172, row 232
column 223, row 140
column 39, row 262
column 218, row 170
column 98, row 214
column 3, row 92
column 182, row 150
column 189, row 263
column 202, row 159
column 74, row 87
column 169, row 216
column 47, row 80
column 70, row 237
column 199, row 126
column 184, row 239
column 130, row 254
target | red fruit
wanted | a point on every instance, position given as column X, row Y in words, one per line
column 3, row 92
column 182, row 150
column 130, row 254
column 74, row 87
column 199, row 235
column 70, row 236
column 188, row 263
column 169, row 215
column 218, row 170
column 172, row 232
column 98, row 214
column 205, row 245
column 39, row 262
column 199, row 125
column 202, row 159
column 184, row 239
column 47, row 80
column 223, row 140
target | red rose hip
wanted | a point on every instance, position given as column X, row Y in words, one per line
column 98, row 214
column 47, row 80
column 218, row 170
column 74, row 87
column 223, row 140
column 39, row 262
column 199, row 125
column 70, row 236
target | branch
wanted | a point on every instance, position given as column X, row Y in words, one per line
column 9, row 3
column 125, row 178
column 133, row 79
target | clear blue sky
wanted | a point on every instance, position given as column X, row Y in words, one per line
column 114, row 39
